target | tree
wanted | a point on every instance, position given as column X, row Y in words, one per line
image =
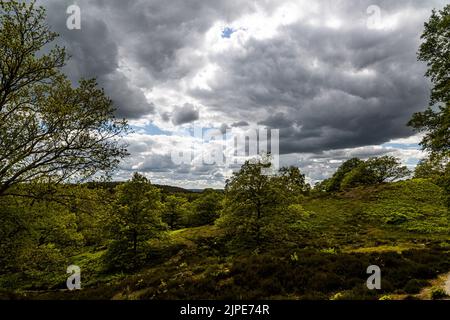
column 293, row 180
column 375, row 171
column 36, row 238
column 136, row 218
column 175, row 211
column 432, row 167
column 445, row 182
column 206, row 209
column 49, row 130
column 386, row 169
column 436, row 167
column 334, row 183
column 322, row 186
column 255, row 206
column 435, row 121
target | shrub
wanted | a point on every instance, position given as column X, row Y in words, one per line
column 414, row 286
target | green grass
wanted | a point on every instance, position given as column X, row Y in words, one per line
column 403, row 213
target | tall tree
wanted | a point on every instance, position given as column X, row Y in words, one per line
column 49, row 130
column 293, row 180
column 136, row 218
column 435, row 121
column 175, row 212
column 334, row 183
column 255, row 208
column 206, row 209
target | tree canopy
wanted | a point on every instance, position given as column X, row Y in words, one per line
column 334, row 184
column 435, row 120
column 135, row 218
column 257, row 205
column 356, row 172
column 49, row 130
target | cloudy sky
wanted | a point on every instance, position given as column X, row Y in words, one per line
column 339, row 79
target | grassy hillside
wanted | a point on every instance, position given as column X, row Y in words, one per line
column 402, row 227
column 405, row 214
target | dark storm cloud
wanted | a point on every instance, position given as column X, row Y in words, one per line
column 337, row 88
column 157, row 163
column 157, row 36
column 165, row 116
column 94, row 53
column 240, row 124
column 277, row 120
column 223, row 128
column 185, row 114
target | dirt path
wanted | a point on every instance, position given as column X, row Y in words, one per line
column 447, row 284
column 442, row 281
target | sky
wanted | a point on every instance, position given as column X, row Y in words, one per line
column 338, row 79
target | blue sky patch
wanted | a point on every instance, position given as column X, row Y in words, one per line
column 227, row 32
column 402, row 145
column 152, row 130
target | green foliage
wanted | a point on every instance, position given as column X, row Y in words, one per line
column 176, row 211
column 435, row 122
column 312, row 275
column 255, row 205
column 355, row 172
column 322, row 187
column 445, row 182
column 293, row 180
column 36, row 237
column 49, row 131
column 334, row 183
column 329, row 244
column 417, row 206
column 414, row 286
column 92, row 208
column 136, row 218
column 374, row 171
column 432, row 167
column 206, row 209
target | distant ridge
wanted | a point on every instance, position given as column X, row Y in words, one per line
column 173, row 189
column 165, row 188
column 110, row 185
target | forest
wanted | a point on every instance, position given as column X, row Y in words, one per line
column 260, row 237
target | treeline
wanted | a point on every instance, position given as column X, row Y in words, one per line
column 356, row 172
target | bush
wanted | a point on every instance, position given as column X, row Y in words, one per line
column 414, row 286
